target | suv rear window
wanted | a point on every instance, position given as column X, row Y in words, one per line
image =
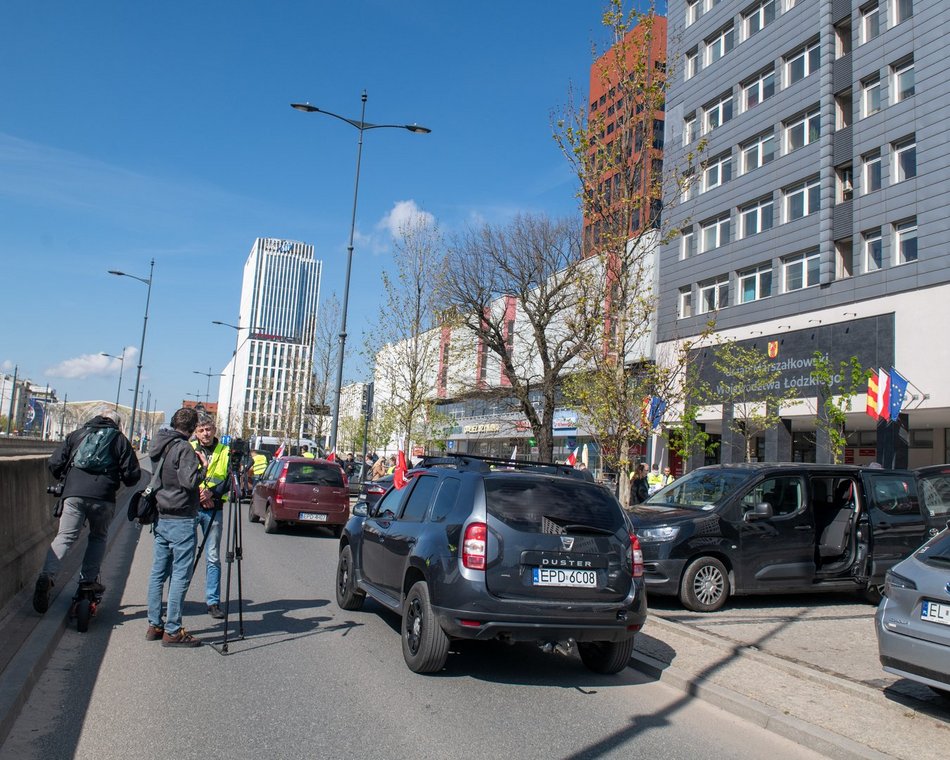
column 547, row 505
column 315, row 474
column 935, row 491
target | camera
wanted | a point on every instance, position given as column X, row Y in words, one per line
column 238, row 448
column 55, row 490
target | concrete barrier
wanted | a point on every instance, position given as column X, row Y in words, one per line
column 27, row 525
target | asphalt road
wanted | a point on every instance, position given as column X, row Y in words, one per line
column 310, row 680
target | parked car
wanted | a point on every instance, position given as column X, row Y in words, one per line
column 301, row 491
column 370, row 492
column 934, row 489
column 525, row 552
column 913, row 619
column 777, row 528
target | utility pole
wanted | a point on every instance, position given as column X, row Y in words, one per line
column 16, row 370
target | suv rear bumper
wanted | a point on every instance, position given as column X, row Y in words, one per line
column 553, row 623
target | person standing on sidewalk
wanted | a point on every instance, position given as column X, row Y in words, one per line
column 89, row 493
column 174, row 547
column 214, row 489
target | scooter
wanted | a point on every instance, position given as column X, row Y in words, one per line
column 85, row 603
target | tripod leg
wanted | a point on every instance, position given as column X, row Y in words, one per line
column 239, row 555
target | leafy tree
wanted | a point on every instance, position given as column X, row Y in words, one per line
column 836, row 390
column 625, row 186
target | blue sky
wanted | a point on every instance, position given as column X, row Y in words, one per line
column 137, row 130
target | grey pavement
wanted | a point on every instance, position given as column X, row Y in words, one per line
column 804, row 668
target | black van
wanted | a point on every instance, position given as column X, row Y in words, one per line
column 780, row 528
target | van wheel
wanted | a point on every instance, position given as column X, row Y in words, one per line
column 347, row 595
column 425, row 646
column 607, row 657
column 873, row 593
column 270, row 524
column 705, row 585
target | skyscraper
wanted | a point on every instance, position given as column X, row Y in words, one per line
column 272, row 365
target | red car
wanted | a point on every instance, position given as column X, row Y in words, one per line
column 301, row 491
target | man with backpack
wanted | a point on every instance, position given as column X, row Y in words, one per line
column 91, row 463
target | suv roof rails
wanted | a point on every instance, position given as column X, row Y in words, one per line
column 472, row 462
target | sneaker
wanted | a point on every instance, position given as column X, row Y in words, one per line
column 154, row 633
column 215, row 611
column 180, row 639
column 41, row 593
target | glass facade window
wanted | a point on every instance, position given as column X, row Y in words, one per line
column 685, row 308
column 802, row 200
column 719, row 44
column 758, row 152
column 904, row 80
column 873, row 250
column 872, row 171
column 687, row 244
column 759, row 17
column 714, row 295
column 802, row 130
column 905, row 241
column 718, row 113
column 717, row 172
column 759, row 89
column 905, row 159
column 802, row 62
column 903, row 10
column 870, row 96
column 689, row 130
column 756, row 217
column 870, row 22
column 691, row 63
column 715, row 233
column 801, row 271
column 755, row 284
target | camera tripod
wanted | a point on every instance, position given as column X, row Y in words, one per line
column 233, row 553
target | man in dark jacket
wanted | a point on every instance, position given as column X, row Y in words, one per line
column 87, row 495
column 174, row 549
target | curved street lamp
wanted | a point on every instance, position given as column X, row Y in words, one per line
column 138, row 373
column 209, row 374
column 362, row 126
column 121, row 368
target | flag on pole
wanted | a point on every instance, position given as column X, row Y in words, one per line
column 572, row 457
column 883, row 395
column 331, row 457
column 871, row 407
column 657, row 407
column 898, row 393
column 399, row 473
column 514, row 453
column 280, row 452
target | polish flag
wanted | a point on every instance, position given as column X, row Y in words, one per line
column 331, row 457
column 883, row 395
column 572, row 457
column 399, row 473
column 280, row 452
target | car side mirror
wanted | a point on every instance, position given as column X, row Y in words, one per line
column 359, row 509
column 762, row 511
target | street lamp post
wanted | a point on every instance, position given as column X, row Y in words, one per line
column 138, row 373
column 209, row 374
column 121, row 359
column 361, row 126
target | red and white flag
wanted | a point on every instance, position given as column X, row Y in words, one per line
column 280, row 452
column 572, row 457
column 883, row 395
column 399, row 473
column 331, row 457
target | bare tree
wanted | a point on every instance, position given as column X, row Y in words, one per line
column 407, row 349
column 325, row 347
column 523, row 293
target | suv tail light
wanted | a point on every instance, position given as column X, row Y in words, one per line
column 279, row 493
column 375, row 489
column 474, row 546
column 636, row 555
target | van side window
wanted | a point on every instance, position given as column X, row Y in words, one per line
column 894, row 494
column 784, row 493
column 419, row 498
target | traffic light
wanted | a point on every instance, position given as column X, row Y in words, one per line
column 367, row 402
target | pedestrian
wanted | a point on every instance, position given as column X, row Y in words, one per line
column 90, row 482
column 349, row 465
column 306, row 453
column 213, row 492
column 379, row 468
column 667, row 476
column 639, row 487
column 654, row 479
column 174, row 546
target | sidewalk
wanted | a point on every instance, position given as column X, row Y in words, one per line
column 812, row 703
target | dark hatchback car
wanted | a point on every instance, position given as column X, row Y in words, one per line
column 301, row 491
column 524, row 552
column 778, row 528
column 369, row 493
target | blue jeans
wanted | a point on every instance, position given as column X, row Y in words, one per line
column 77, row 510
column 174, row 557
column 210, row 520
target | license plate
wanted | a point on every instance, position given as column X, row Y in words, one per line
column 935, row 612
column 312, row 517
column 549, row 576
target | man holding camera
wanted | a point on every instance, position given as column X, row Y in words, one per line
column 87, row 494
column 214, row 490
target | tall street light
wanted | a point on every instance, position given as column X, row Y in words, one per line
column 121, row 368
column 138, row 373
column 209, row 374
column 362, row 126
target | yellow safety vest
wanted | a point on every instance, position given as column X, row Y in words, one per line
column 217, row 471
column 308, row 455
column 260, row 464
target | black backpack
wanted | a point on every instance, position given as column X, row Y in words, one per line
column 143, row 505
column 94, row 453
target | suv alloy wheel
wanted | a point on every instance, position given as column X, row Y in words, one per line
column 705, row 586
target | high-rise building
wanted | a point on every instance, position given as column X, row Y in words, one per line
column 817, row 223
column 272, row 365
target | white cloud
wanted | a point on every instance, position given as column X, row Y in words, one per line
column 90, row 365
column 405, row 213
column 7, row 365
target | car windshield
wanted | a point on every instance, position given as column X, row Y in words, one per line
column 699, row 489
column 552, row 505
column 300, row 473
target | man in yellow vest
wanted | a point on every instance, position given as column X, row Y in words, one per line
column 306, row 452
column 254, row 472
column 213, row 492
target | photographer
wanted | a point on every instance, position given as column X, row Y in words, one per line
column 89, row 484
column 214, row 489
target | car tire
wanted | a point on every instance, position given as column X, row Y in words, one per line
column 348, row 597
column 606, row 657
column 873, row 593
column 705, row 585
column 270, row 524
column 425, row 646
column 251, row 517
